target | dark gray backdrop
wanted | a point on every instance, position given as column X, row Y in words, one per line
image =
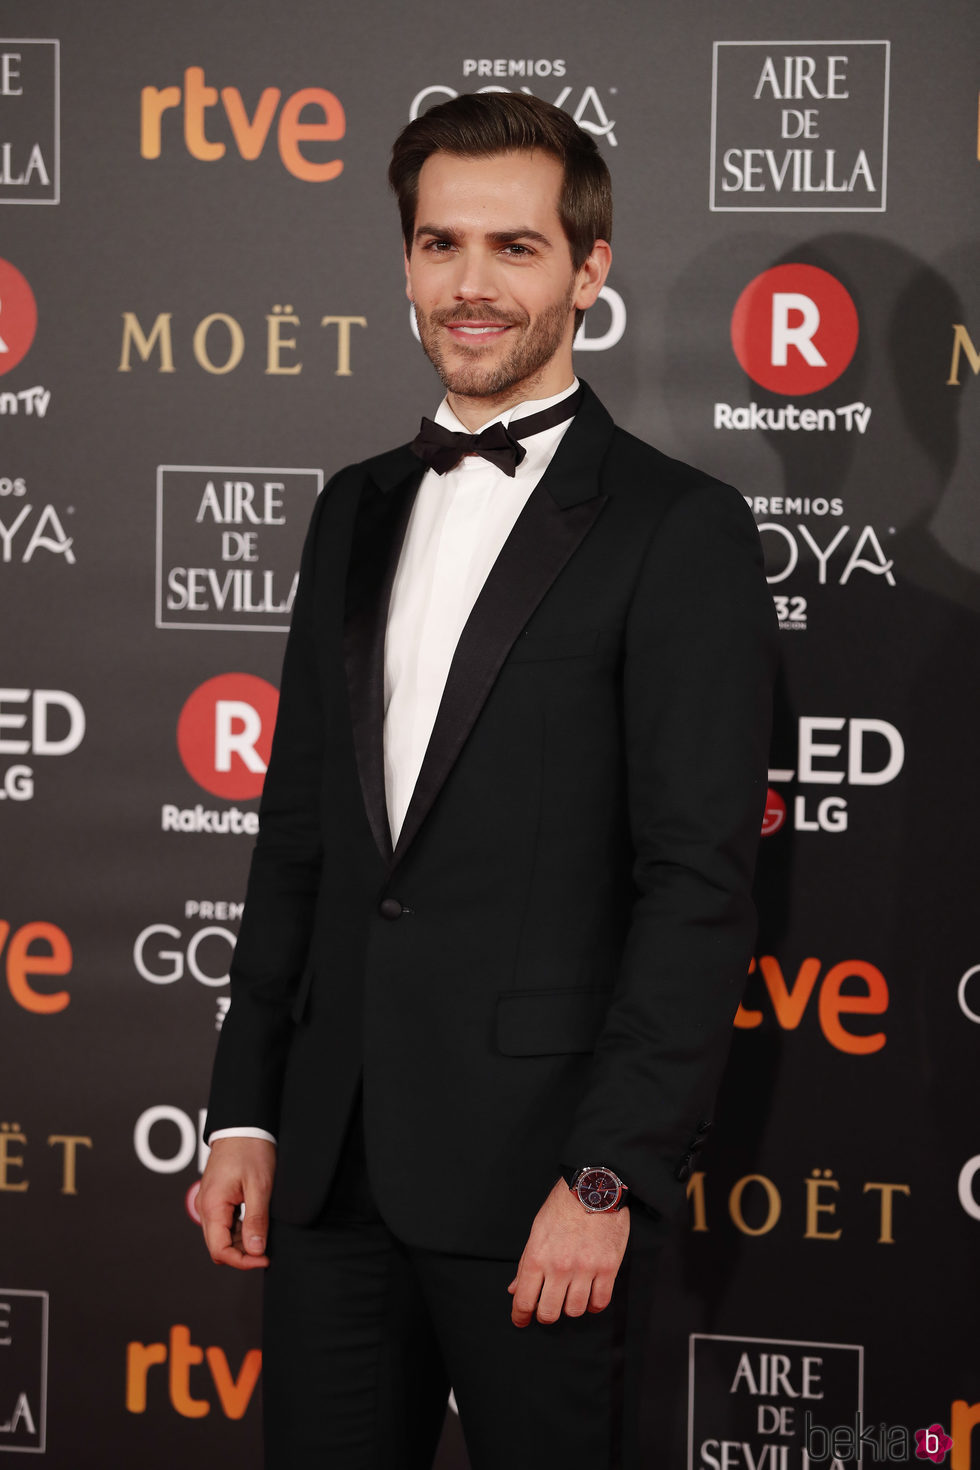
column 830, row 1258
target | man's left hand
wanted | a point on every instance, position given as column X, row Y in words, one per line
column 570, row 1261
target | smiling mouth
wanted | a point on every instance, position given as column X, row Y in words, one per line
column 478, row 329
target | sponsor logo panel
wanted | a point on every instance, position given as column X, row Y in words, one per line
column 213, row 124
column 198, row 948
column 848, row 988
column 861, row 752
column 30, row 126
column 794, row 331
column 23, row 1370
column 228, row 545
column 799, row 126
column 18, row 325
column 28, row 528
column 747, row 1397
column 36, row 722
column 161, row 1372
column 37, row 948
column 224, row 736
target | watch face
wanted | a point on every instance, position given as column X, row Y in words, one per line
column 598, row 1189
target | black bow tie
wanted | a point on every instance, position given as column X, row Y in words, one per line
column 442, row 449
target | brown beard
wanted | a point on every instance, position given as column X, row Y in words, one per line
column 532, row 352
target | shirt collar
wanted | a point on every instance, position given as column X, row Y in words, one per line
column 448, row 420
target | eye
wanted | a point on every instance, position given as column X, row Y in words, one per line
column 517, row 249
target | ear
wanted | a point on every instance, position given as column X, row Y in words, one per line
column 408, row 276
column 591, row 275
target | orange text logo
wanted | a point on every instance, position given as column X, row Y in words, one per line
column 35, row 949
column 180, row 1355
column 789, row 996
column 325, row 123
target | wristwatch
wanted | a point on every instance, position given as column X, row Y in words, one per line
column 598, row 1188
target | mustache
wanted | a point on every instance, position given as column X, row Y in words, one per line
column 473, row 316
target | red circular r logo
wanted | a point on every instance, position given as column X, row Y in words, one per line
column 224, row 734
column 18, row 316
column 794, row 329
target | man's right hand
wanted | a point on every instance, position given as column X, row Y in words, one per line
column 239, row 1171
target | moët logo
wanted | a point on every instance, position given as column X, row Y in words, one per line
column 794, row 329
column 224, row 734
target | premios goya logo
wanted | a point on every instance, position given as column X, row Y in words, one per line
column 583, row 101
column 799, row 126
column 198, row 949
column 228, row 545
column 29, row 122
column 224, row 737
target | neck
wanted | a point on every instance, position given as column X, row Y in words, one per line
column 473, row 412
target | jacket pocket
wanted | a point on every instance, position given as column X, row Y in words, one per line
column 298, row 1009
column 532, row 647
column 536, row 1023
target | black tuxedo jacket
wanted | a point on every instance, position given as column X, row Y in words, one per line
column 544, row 971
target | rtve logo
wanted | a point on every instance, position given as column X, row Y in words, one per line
column 37, row 948
column 18, row 316
column 794, row 329
column 181, row 1355
column 789, row 997
column 325, row 123
column 224, row 734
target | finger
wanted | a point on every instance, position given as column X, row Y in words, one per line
column 578, row 1296
column 551, row 1299
column 526, row 1297
column 601, row 1295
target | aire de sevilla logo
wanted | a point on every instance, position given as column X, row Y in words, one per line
column 18, row 316
column 224, row 734
column 794, row 329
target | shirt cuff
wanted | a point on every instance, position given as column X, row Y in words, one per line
column 240, row 1133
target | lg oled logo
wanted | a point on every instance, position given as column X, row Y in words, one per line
column 36, row 722
column 309, row 123
column 224, row 736
column 859, row 752
column 794, row 331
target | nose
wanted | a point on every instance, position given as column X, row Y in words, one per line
column 476, row 279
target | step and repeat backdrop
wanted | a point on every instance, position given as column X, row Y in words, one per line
column 201, row 317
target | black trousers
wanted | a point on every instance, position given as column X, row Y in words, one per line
column 363, row 1337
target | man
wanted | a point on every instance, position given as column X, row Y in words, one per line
column 498, row 916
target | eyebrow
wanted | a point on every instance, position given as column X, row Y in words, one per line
column 495, row 237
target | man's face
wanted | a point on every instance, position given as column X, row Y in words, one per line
column 490, row 272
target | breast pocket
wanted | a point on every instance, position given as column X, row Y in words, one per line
column 536, row 1023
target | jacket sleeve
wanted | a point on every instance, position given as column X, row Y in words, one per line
column 281, row 895
column 699, row 664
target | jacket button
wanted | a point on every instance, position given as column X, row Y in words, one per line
column 390, row 908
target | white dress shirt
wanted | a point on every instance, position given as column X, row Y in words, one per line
column 458, row 525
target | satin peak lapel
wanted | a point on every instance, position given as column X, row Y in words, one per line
column 379, row 530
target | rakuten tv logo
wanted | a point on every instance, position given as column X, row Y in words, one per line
column 794, row 329
column 18, row 316
column 224, row 734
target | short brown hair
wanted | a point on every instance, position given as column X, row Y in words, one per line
column 480, row 124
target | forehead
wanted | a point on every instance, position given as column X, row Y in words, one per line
column 503, row 191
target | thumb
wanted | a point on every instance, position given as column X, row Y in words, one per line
column 255, row 1229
